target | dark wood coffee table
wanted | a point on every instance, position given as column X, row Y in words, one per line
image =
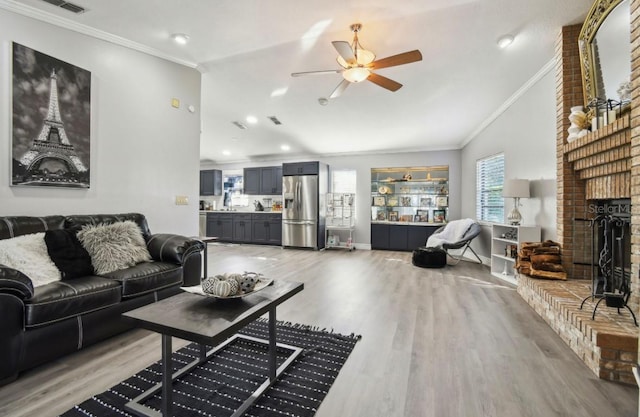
column 213, row 322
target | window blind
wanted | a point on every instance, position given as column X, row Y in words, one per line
column 489, row 182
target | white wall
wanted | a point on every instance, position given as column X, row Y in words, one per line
column 143, row 151
column 363, row 164
column 526, row 133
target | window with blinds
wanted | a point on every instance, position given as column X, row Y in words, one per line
column 489, row 181
column 343, row 181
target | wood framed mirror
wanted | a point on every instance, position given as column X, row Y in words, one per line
column 605, row 51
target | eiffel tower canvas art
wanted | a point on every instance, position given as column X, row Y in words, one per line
column 51, row 121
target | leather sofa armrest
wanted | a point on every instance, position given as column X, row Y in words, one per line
column 15, row 282
column 173, row 248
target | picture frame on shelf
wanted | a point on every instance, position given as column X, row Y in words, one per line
column 392, row 202
column 442, row 201
column 416, row 218
column 406, row 218
column 439, row 216
column 381, row 215
column 379, row 201
column 405, row 201
column 422, row 216
column 393, row 216
column 425, row 202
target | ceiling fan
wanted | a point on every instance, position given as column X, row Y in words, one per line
column 358, row 64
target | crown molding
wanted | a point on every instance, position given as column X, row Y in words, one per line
column 515, row 97
column 34, row 13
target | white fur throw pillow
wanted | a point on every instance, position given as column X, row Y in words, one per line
column 28, row 254
column 114, row 246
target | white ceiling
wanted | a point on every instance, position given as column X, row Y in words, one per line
column 247, row 49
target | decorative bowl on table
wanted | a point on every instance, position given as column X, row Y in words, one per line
column 230, row 285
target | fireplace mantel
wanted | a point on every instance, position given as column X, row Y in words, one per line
column 603, row 159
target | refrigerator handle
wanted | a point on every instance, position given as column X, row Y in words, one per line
column 298, row 199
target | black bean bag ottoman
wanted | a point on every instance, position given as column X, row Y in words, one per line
column 429, row 257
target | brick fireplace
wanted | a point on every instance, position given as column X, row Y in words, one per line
column 602, row 166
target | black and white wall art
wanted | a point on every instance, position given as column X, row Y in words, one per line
column 51, row 121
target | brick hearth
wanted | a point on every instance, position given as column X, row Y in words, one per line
column 608, row 345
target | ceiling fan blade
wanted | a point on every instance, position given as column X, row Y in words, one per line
column 339, row 89
column 300, row 74
column 384, row 82
column 345, row 51
column 400, row 59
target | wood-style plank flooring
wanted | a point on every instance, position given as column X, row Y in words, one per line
column 436, row 343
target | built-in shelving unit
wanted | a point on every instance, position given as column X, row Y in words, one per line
column 505, row 243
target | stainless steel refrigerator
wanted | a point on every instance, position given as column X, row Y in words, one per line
column 303, row 220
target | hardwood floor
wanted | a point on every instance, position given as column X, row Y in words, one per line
column 436, row 343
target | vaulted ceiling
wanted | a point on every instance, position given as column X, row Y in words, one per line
column 247, row 50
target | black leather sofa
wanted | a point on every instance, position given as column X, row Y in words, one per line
column 43, row 323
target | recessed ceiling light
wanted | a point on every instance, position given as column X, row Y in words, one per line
column 505, row 41
column 279, row 92
column 285, row 147
column 180, row 38
column 252, row 119
column 226, row 153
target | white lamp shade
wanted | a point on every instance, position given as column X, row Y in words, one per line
column 516, row 188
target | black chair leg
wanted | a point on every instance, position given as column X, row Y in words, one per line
column 632, row 315
column 593, row 316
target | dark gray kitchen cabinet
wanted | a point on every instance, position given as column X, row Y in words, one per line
column 301, row 168
column 400, row 237
column 271, row 180
column 220, row 225
column 267, row 229
column 251, row 181
column 263, row 181
column 242, row 228
column 211, row 182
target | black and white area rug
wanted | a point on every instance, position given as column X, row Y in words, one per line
column 219, row 386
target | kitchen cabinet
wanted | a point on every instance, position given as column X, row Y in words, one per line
column 263, row 180
column 251, row 181
column 301, row 168
column 242, row 228
column 220, row 225
column 267, row 229
column 211, row 182
column 400, row 237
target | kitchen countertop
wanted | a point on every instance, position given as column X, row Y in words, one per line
column 240, row 212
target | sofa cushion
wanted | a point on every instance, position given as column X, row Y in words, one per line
column 76, row 222
column 114, row 246
column 28, row 254
column 66, row 251
column 63, row 299
column 146, row 277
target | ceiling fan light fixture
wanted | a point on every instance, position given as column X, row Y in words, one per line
column 356, row 74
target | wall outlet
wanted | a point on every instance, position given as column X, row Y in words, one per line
column 182, row 200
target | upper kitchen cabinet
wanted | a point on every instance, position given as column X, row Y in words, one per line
column 211, row 182
column 263, row 181
column 301, row 168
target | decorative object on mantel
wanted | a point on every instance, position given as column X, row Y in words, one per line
column 516, row 189
column 580, row 123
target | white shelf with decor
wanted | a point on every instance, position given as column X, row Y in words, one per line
column 340, row 221
column 506, row 240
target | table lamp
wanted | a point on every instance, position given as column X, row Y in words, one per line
column 515, row 189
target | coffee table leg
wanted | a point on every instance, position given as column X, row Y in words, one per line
column 167, row 371
column 273, row 354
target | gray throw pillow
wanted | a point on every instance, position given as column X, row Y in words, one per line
column 114, row 246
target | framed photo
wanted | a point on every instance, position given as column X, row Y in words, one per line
column 393, row 216
column 439, row 216
column 405, row 201
column 381, row 215
column 393, row 202
column 51, row 121
column 406, row 218
column 442, row 201
column 379, row 201
column 422, row 215
column 425, row 202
